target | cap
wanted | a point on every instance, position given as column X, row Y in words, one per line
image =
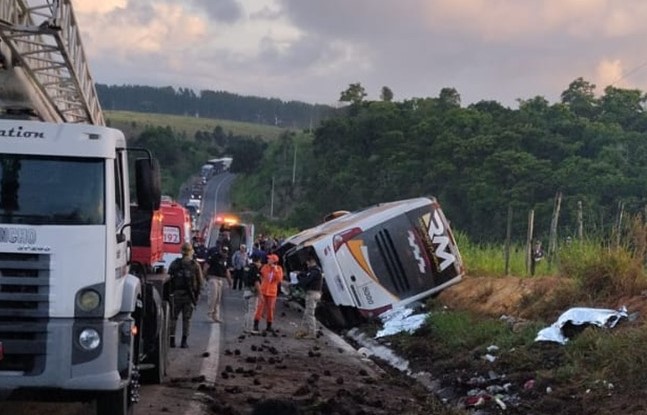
column 255, row 257
column 273, row 258
column 225, row 249
column 187, row 248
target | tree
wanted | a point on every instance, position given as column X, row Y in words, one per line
column 449, row 98
column 355, row 94
column 580, row 98
column 386, row 94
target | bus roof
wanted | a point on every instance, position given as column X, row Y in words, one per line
column 364, row 219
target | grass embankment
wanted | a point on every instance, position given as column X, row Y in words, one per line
column 596, row 365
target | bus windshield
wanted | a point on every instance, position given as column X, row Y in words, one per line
column 51, row 190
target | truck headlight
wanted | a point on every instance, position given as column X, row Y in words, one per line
column 88, row 300
column 89, row 339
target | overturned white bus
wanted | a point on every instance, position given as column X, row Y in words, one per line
column 385, row 256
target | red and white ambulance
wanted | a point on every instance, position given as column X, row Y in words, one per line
column 176, row 227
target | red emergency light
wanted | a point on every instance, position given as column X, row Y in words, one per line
column 1, row 351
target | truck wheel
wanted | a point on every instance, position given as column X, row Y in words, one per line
column 115, row 403
column 159, row 357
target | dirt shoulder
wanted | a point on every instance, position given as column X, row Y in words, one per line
column 497, row 367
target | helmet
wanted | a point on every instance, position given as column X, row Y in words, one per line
column 187, row 248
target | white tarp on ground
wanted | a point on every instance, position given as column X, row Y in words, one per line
column 398, row 320
column 578, row 316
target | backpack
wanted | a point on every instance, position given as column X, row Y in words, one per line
column 182, row 274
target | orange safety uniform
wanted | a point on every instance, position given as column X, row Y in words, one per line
column 271, row 277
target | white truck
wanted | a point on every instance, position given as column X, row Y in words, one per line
column 75, row 323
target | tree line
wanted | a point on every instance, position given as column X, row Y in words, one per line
column 212, row 104
column 478, row 160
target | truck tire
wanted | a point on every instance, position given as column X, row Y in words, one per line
column 115, row 403
column 159, row 358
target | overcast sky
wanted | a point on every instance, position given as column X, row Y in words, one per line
column 311, row 50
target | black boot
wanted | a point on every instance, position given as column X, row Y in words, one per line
column 184, row 344
column 255, row 329
column 172, row 341
column 269, row 328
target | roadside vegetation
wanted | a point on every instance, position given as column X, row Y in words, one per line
column 605, row 367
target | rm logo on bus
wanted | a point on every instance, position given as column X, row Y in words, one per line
column 436, row 231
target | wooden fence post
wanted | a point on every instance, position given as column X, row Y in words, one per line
column 552, row 239
column 580, row 222
column 508, row 236
column 531, row 226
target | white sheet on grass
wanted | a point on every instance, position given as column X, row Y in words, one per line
column 400, row 319
column 578, row 316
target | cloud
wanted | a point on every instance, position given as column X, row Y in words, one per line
column 486, row 49
column 226, row 11
column 98, row 7
column 609, row 72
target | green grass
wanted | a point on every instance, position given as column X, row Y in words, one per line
column 133, row 123
column 488, row 260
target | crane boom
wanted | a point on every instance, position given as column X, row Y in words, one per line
column 44, row 68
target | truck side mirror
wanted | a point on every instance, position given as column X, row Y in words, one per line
column 148, row 183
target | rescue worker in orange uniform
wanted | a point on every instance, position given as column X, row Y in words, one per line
column 271, row 277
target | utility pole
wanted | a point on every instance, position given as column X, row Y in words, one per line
column 272, row 200
column 294, row 165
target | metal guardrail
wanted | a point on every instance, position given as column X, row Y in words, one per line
column 45, row 42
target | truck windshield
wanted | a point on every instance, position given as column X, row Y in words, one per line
column 51, row 190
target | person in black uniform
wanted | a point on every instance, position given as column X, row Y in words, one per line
column 311, row 281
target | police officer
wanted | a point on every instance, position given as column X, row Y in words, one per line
column 217, row 270
column 312, row 282
column 185, row 285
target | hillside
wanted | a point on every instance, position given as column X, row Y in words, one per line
column 133, row 123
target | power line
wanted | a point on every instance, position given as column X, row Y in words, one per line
column 632, row 71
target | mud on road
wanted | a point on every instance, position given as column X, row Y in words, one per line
column 322, row 376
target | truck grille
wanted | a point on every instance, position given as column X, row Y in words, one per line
column 392, row 262
column 24, row 308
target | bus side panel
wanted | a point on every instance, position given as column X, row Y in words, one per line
column 360, row 277
column 334, row 277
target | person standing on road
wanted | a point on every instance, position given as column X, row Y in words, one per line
column 311, row 281
column 239, row 261
column 271, row 277
column 217, row 271
column 185, row 285
column 252, row 289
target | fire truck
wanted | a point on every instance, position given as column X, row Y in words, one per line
column 78, row 319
